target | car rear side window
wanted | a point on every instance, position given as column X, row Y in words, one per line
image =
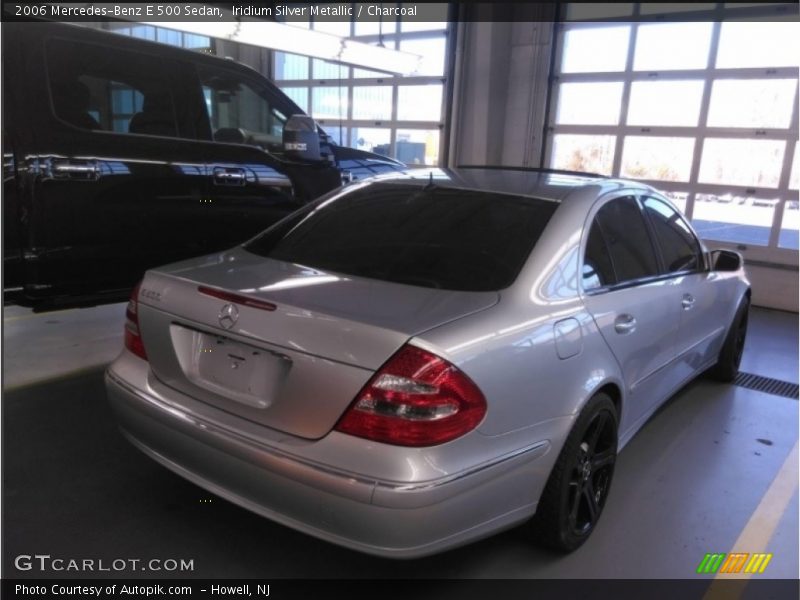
column 679, row 247
column 629, row 245
column 104, row 89
column 432, row 237
column 598, row 270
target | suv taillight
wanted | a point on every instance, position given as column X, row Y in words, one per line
column 133, row 338
column 415, row 399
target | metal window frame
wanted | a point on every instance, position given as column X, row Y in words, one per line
column 771, row 253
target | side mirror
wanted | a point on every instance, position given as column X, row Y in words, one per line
column 726, row 260
column 301, row 139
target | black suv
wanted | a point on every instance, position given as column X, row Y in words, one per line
column 121, row 154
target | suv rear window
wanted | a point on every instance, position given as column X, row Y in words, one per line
column 432, row 237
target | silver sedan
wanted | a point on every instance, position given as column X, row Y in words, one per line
column 415, row 362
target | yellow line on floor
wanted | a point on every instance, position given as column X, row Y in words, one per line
column 758, row 532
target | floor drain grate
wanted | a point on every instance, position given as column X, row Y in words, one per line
column 768, row 385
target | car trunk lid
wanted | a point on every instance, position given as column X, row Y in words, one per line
column 292, row 346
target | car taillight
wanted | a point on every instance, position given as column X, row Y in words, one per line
column 133, row 338
column 415, row 399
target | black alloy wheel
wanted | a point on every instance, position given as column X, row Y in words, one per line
column 591, row 474
column 741, row 334
column 730, row 356
column 578, row 487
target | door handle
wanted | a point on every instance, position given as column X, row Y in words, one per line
column 86, row 170
column 229, row 176
column 625, row 324
column 687, row 302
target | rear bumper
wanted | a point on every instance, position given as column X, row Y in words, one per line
column 386, row 518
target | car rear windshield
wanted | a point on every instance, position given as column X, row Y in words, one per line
column 435, row 237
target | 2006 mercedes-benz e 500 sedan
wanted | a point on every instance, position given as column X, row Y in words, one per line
column 412, row 363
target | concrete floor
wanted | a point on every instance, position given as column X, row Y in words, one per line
column 688, row 483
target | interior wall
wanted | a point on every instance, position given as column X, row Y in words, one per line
column 501, row 85
column 773, row 287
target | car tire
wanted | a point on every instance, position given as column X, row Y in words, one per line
column 575, row 494
column 730, row 356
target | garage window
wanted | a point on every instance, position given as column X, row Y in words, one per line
column 703, row 108
column 398, row 116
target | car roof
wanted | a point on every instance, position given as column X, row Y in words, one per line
column 546, row 184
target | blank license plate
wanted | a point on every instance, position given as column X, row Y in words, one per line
column 238, row 371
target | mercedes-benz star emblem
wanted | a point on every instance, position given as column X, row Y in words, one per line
column 228, row 316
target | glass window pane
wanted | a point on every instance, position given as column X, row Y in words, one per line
column 99, row 88
column 629, row 244
column 790, row 224
column 233, row 104
column 329, row 102
column 679, row 199
column 340, row 28
column 752, row 44
column 371, row 139
column 597, row 268
column 168, row 36
column 731, row 218
column 587, row 153
column 589, row 103
column 667, row 46
column 196, row 42
column 666, row 103
column 387, row 26
column 290, row 66
column 372, row 102
column 299, row 95
column 752, row 102
column 121, row 125
column 145, row 32
column 794, row 180
column 419, row 102
column 679, row 248
column 742, row 162
column 402, row 233
column 582, row 49
column 367, row 74
column 417, row 146
column 664, row 158
column 328, row 70
column 122, row 100
column 338, row 134
column 431, row 51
